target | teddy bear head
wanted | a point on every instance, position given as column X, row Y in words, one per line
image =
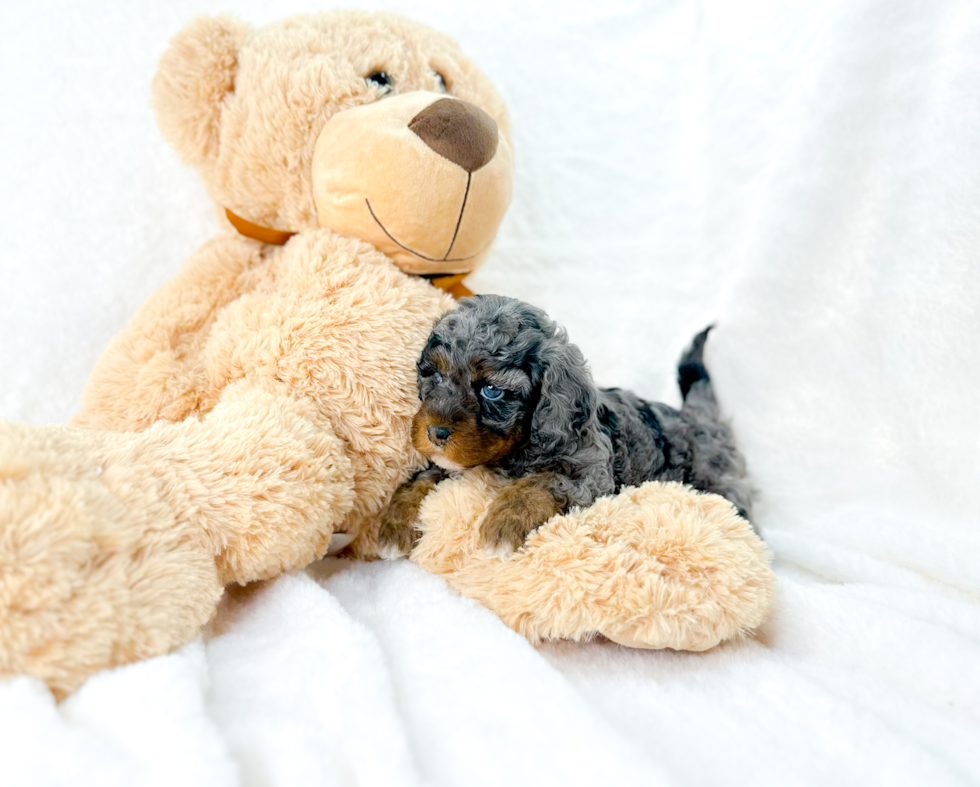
column 363, row 123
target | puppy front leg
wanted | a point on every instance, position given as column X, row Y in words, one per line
column 398, row 533
column 519, row 509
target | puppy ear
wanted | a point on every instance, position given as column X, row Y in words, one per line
column 193, row 78
column 565, row 413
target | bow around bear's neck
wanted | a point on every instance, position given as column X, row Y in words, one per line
column 452, row 284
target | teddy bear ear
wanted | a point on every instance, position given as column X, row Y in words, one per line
column 192, row 80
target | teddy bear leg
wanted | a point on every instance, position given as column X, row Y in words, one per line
column 95, row 569
column 116, row 546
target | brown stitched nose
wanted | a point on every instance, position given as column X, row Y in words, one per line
column 458, row 131
column 438, row 435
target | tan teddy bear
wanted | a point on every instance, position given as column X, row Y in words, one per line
column 260, row 402
column 257, row 408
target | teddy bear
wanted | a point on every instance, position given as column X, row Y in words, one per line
column 254, row 414
column 257, row 407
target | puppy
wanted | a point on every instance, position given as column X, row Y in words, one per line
column 501, row 386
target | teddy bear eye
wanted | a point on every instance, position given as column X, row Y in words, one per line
column 381, row 79
column 440, row 82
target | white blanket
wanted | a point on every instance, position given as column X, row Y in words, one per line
column 806, row 175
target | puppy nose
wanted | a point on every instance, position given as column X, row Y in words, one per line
column 458, row 131
column 438, row 435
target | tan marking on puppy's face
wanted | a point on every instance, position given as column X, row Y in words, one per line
column 467, row 446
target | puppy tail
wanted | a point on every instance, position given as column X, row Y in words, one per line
column 691, row 369
column 719, row 466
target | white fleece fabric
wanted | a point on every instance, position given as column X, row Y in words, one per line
column 804, row 175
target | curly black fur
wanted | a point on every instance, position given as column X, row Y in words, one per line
column 587, row 441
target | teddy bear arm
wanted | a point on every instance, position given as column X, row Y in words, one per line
column 151, row 370
column 265, row 476
column 656, row 566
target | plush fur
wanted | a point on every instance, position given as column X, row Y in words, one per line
column 247, row 106
column 501, row 385
column 327, row 316
column 656, row 566
column 116, row 545
column 261, row 401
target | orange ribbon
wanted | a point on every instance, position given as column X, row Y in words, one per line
column 452, row 284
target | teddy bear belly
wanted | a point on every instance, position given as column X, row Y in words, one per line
column 325, row 317
column 338, row 323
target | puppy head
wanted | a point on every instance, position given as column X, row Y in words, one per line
column 497, row 380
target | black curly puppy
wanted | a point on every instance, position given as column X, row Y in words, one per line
column 501, row 386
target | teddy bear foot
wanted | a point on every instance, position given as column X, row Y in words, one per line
column 116, row 546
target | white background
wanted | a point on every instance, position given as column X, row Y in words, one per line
column 805, row 175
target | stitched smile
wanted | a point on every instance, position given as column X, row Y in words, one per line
column 452, row 243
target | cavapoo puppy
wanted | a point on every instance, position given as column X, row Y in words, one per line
column 501, row 386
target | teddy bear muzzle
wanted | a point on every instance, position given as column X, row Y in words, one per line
column 424, row 178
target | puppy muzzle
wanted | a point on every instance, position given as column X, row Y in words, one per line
column 438, row 435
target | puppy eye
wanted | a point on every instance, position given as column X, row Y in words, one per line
column 429, row 373
column 491, row 393
column 440, row 81
column 381, row 80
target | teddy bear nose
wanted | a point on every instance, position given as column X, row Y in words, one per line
column 438, row 435
column 458, row 131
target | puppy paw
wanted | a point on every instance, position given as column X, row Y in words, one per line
column 398, row 532
column 392, row 551
column 504, row 530
column 500, row 551
column 518, row 510
column 397, row 535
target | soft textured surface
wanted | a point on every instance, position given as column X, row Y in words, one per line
column 326, row 320
column 656, row 566
column 260, row 400
column 804, row 174
column 115, row 546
